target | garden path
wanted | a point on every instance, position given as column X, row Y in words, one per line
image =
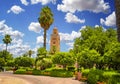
column 9, row 78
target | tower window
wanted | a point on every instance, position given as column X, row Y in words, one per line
column 53, row 42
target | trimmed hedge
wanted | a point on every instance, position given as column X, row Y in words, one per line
column 20, row 71
column 49, row 72
column 108, row 77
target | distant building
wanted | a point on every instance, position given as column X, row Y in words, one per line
column 55, row 41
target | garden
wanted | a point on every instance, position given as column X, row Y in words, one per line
column 96, row 54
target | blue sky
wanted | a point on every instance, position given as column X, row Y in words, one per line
column 19, row 19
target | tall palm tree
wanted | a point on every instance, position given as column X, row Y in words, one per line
column 117, row 10
column 7, row 39
column 45, row 19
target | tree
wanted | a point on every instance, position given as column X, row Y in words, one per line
column 6, row 55
column 63, row 59
column 41, row 53
column 97, row 39
column 7, row 39
column 112, row 55
column 24, row 61
column 45, row 20
column 30, row 52
column 2, row 62
column 87, row 58
column 117, row 6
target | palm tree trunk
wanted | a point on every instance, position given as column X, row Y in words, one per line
column 6, row 47
column 45, row 38
column 117, row 10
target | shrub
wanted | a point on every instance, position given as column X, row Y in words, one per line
column 85, row 72
column 71, row 68
column 94, row 76
column 61, row 73
column 20, row 71
column 115, row 79
column 36, row 72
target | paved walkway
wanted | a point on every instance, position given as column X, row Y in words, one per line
column 9, row 78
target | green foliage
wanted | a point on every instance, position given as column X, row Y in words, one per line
column 102, row 42
column 45, row 19
column 61, row 73
column 2, row 62
column 10, row 63
column 94, row 76
column 63, row 59
column 45, row 63
column 41, row 54
column 7, row 39
column 115, row 79
column 6, row 55
column 85, row 72
column 24, row 61
column 71, row 68
column 36, row 72
column 20, row 71
column 87, row 58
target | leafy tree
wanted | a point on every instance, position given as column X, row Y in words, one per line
column 45, row 63
column 45, row 20
column 24, row 61
column 112, row 55
column 7, row 39
column 41, row 53
column 2, row 62
column 6, row 55
column 63, row 59
column 97, row 39
column 87, row 58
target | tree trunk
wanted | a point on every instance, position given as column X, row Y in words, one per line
column 117, row 10
column 45, row 38
column 6, row 47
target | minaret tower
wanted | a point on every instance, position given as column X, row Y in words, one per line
column 55, row 41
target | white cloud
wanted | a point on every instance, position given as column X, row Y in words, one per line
column 70, row 44
column 35, row 26
column 83, row 5
column 17, row 47
column 109, row 21
column 69, row 37
column 15, row 9
column 25, row 2
column 43, row 2
column 70, row 18
column 40, row 40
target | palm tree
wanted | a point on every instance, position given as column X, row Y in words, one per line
column 117, row 10
column 30, row 52
column 7, row 39
column 45, row 19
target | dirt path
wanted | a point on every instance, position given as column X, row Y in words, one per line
column 9, row 78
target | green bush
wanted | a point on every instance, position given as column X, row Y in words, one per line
column 115, row 79
column 107, row 75
column 61, row 73
column 85, row 72
column 71, row 68
column 94, row 76
column 36, row 72
column 20, row 71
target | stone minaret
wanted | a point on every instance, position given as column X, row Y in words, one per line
column 55, row 41
column 117, row 10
